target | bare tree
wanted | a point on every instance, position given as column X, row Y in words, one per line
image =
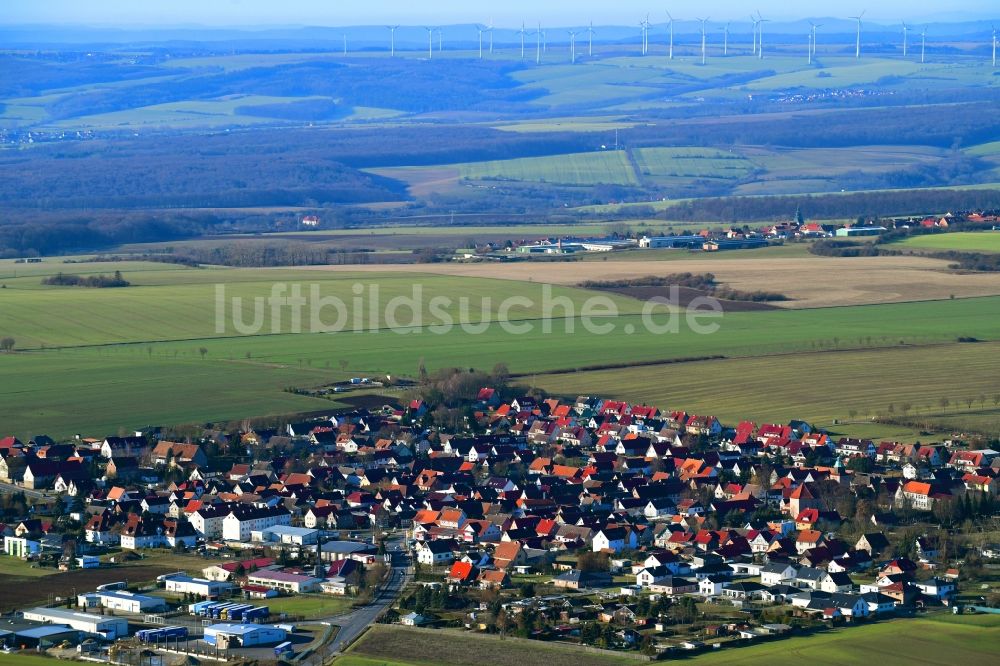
column 7, row 344
column 203, row 351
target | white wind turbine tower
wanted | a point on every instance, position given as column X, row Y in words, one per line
column 572, row 46
column 440, row 40
column 756, row 23
column 923, row 44
column 392, row 39
column 345, row 43
column 857, row 46
column 670, row 23
column 430, row 43
column 538, row 45
column 760, row 35
column 725, row 40
column 994, row 47
column 906, row 30
column 490, row 30
column 481, row 30
column 812, row 40
column 703, row 22
column 644, row 25
column 590, row 40
column 522, row 32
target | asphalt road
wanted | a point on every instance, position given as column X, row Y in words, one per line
column 28, row 492
column 354, row 623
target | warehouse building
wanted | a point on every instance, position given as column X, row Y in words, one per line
column 281, row 580
column 286, row 534
column 120, row 600
column 225, row 636
column 108, row 627
column 210, row 589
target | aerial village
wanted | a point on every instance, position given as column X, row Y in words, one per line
column 591, row 521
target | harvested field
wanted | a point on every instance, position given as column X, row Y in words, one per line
column 810, row 282
column 19, row 592
column 394, row 644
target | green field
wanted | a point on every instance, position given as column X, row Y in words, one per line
column 818, row 387
column 95, row 360
column 691, row 163
column 963, row 241
column 609, row 167
column 941, row 640
column 169, row 304
column 310, row 605
column 65, row 393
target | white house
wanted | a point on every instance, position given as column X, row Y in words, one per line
column 435, row 553
column 616, row 539
column 240, row 522
column 777, row 573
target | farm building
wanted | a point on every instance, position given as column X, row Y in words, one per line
column 197, row 586
column 694, row 242
column 243, row 635
column 847, row 232
column 123, row 601
column 109, row 627
column 33, row 635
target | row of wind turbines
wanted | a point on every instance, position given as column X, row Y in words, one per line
column 757, row 47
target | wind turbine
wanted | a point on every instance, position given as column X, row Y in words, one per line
column 906, row 29
column 644, row 25
column 923, row 44
column 760, row 36
column 725, row 40
column 812, row 40
column 392, row 39
column 572, row 46
column 490, row 30
column 440, row 40
column 430, row 42
column 522, row 33
column 857, row 47
column 703, row 22
column 590, row 42
column 670, row 23
column 538, row 45
column 756, row 24
column 481, row 30
column 345, row 43
column 994, row 47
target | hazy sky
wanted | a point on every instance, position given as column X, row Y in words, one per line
column 504, row 12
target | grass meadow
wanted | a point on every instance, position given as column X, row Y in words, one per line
column 963, row 241
column 609, row 167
